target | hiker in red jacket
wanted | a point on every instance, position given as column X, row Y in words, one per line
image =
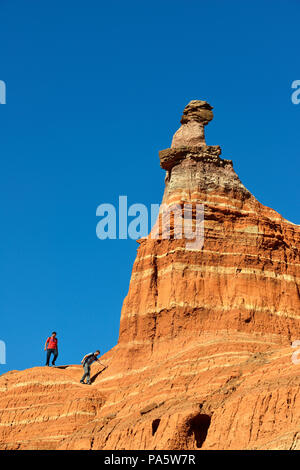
column 51, row 348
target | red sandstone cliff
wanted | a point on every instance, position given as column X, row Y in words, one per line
column 203, row 359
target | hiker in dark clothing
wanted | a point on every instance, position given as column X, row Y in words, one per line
column 51, row 348
column 87, row 361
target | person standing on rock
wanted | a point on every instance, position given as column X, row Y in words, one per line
column 51, row 348
column 87, row 361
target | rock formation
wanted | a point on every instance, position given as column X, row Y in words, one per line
column 195, row 116
column 204, row 357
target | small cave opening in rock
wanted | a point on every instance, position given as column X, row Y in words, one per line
column 155, row 425
column 198, row 428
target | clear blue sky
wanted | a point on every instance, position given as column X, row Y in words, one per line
column 94, row 90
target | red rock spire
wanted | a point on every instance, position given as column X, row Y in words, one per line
column 204, row 357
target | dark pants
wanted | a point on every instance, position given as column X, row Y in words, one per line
column 87, row 371
column 55, row 354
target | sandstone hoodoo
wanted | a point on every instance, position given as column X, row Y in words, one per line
column 204, row 357
column 195, row 116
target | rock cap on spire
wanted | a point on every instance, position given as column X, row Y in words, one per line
column 196, row 115
column 197, row 110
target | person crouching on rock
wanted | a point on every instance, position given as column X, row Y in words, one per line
column 51, row 348
column 87, row 361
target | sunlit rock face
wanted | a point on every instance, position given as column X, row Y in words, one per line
column 204, row 356
column 196, row 115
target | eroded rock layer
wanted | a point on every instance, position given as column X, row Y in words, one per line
column 204, row 357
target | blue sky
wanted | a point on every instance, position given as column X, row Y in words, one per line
column 94, row 90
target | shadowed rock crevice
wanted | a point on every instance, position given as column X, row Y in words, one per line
column 198, row 428
column 155, row 425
